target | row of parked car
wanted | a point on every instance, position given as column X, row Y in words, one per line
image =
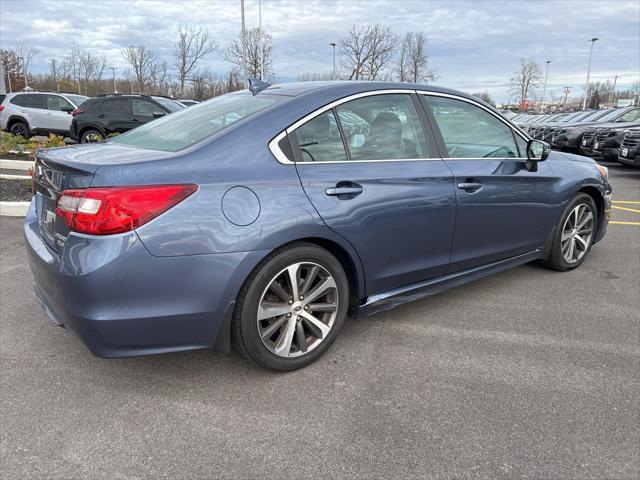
column 611, row 134
column 81, row 118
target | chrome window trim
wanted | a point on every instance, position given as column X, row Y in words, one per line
column 282, row 158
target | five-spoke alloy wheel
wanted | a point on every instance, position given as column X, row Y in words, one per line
column 292, row 307
column 574, row 234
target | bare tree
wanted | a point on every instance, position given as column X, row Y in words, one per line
column 141, row 60
column 526, row 80
column 90, row 68
column 367, row 51
column 26, row 53
column 485, row 97
column 259, row 49
column 54, row 68
column 193, row 44
column 158, row 76
column 315, row 76
column 413, row 61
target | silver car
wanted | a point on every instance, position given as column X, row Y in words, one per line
column 37, row 113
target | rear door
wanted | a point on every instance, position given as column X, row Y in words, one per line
column 503, row 209
column 370, row 169
column 116, row 114
column 34, row 107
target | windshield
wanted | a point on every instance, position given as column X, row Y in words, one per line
column 584, row 115
column 630, row 116
column 77, row 100
column 191, row 125
column 610, row 115
column 168, row 104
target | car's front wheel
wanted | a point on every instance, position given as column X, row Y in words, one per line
column 19, row 129
column 574, row 234
column 291, row 308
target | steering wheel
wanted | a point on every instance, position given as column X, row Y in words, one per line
column 499, row 149
column 304, row 150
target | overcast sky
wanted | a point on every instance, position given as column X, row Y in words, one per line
column 473, row 45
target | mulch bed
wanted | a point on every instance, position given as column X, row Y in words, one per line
column 15, row 190
column 15, row 156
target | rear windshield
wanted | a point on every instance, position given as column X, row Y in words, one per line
column 191, row 125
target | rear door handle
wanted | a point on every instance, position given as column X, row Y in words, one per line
column 344, row 190
column 101, row 115
column 469, row 185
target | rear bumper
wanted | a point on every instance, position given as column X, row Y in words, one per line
column 122, row 301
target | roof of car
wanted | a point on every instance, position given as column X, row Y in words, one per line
column 350, row 86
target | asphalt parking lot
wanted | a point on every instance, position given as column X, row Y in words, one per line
column 526, row 374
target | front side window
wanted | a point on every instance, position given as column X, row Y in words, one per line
column 144, row 107
column 320, row 140
column 54, row 102
column 470, row 131
column 382, row 127
column 191, row 125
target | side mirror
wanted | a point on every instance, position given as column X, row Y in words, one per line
column 537, row 151
column 158, row 114
column 67, row 109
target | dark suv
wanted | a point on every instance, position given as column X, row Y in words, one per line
column 104, row 115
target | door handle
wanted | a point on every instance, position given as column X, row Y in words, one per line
column 469, row 185
column 344, row 190
column 101, row 115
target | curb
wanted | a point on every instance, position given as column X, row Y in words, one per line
column 6, row 176
column 16, row 164
column 14, row 209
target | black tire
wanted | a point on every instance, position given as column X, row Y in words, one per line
column 85, row 137
column 245, row 332
column 20, row 129
column 556, row 260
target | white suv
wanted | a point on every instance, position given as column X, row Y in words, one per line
column 34, row 113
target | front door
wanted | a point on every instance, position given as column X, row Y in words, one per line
column 58, row 119
column 371, row 178
column 503, row 210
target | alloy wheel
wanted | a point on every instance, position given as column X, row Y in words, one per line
column 576, row 233
column 298, row 309
column 18, row 130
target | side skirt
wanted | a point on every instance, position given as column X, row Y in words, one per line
column 393, row 298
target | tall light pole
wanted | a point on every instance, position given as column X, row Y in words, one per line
column 333, row 76
column 244, row 45
column 261, row 40
column 115, row 89
column 24, row 72
column 586, row 90
column 544, row 90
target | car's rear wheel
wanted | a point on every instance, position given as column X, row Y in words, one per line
column 20, row 129
column 291, row 308
column 574, row 234
column 91, row 136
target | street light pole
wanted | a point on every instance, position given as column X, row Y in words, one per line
column 115, row 89
column 586, row 91
column 244, row 45
column 544, row 90
column 261, row 40
column 333, row 76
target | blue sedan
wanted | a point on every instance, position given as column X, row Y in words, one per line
column 264, row 218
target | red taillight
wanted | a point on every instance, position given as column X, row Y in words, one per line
column 1, row 108
column 77, row 111
column 105, row 211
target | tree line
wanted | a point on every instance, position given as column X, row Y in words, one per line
column 369, row 52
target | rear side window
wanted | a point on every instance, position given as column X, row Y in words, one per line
column 30, row 101
column 319, row 139
column 469, row 131
column 192, row 125
column 382, row 127
column 91, row 106
column 116, row 107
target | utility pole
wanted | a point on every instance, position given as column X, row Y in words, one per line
column 261, row 39
column 115, row 89
column 333, row 75
column 544, row 90
column 9, row 78
column 613, row 90
column 566, row 94
column 586, row 91
column 244, row 45
column 24, row 72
